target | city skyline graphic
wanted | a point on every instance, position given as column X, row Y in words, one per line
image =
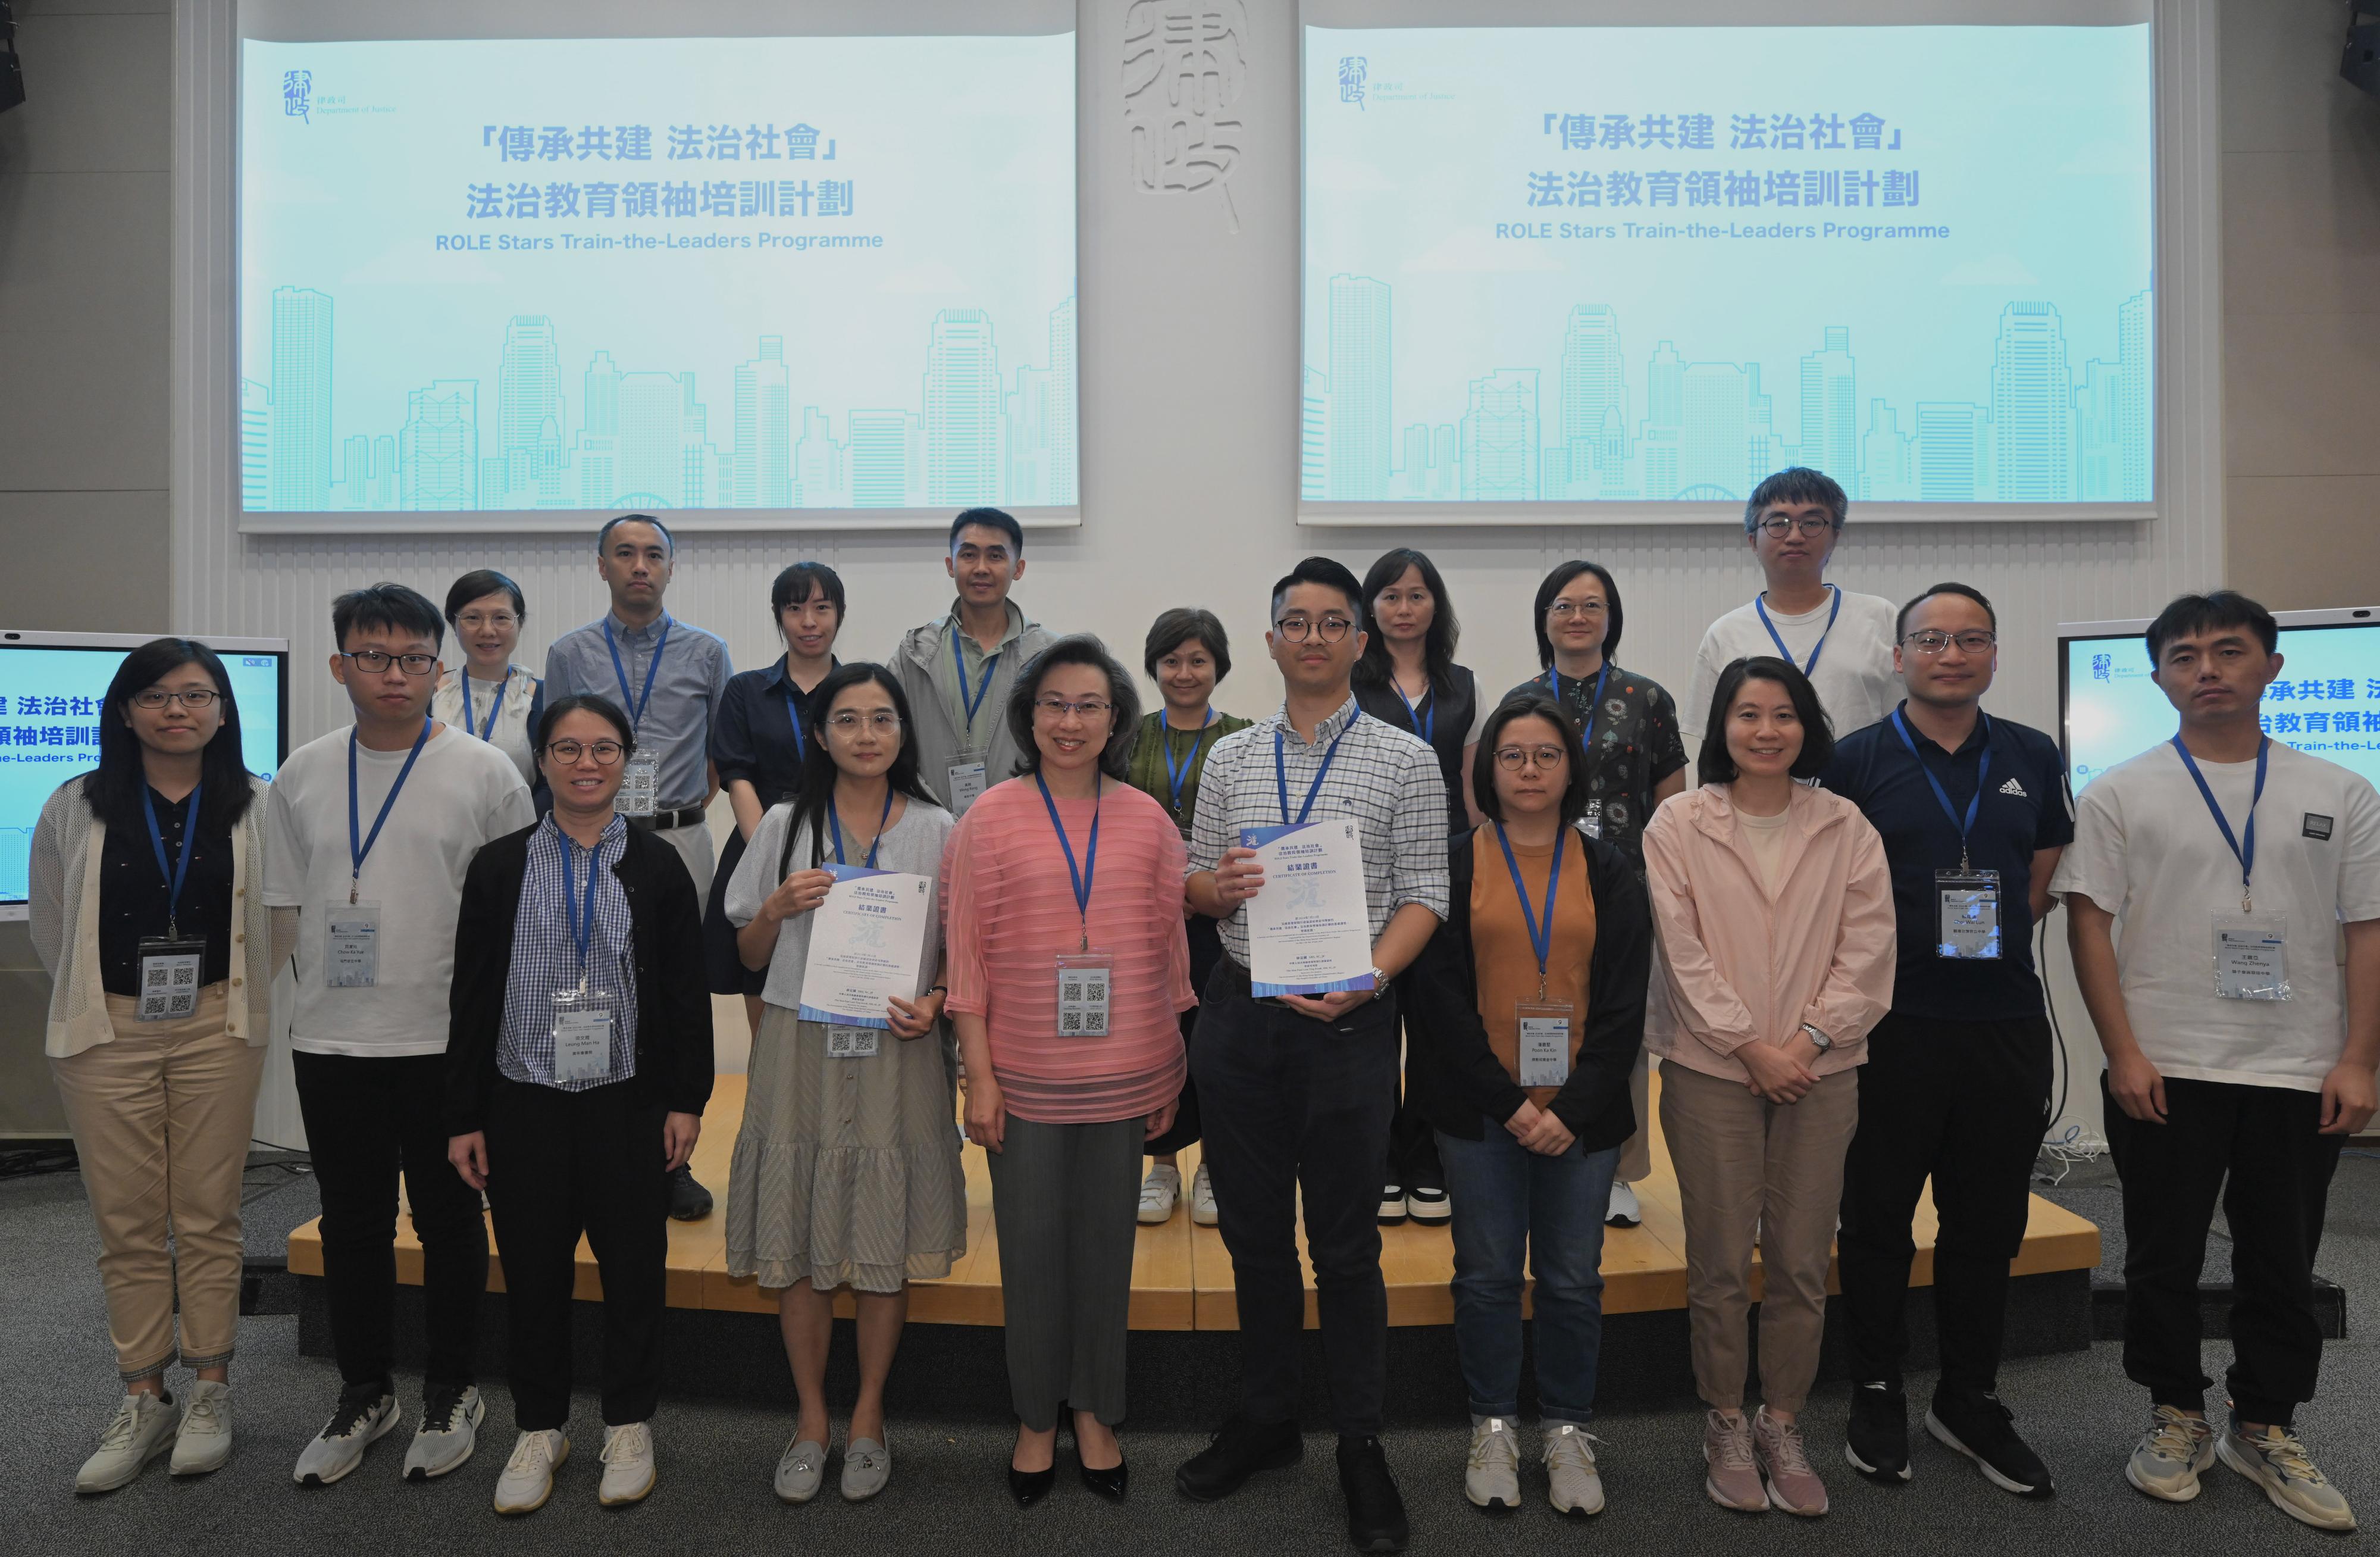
column 646, row 438
column 1590, row 429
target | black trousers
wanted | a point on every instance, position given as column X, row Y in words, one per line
column 367, row 1121
column 2260, row 1150
column 1206, row 950
column 1296, row 1105
column 560, row 1164
column 1963, row 1104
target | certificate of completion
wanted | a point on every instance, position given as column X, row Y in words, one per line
column 867, row 942
column 1309, row 928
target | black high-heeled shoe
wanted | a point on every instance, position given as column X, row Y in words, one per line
column 1029, row 1487
column 1108, row 1483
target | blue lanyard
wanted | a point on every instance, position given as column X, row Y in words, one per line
column 182, row 870
column 1423, row 727
column 1761, row 605
column 982, row 685
column 834, row 826
column 801, row 742
column 1176, row 777
column 2245, row 853
column 1541, row 932
column 1081, row 877
column 493, row 709
column 358, row 843
column 1594, row 704
column 635, row 709
column 1281, row 772
column 1983, row 776
column 583, row 934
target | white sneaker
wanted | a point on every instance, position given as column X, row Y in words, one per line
column 1429, row 1206
column 2276, row 1460
column 1157, row 1193
column 449, row 1432
column 528, row 1480
column 1392, row 1205
column 363, row 1414
column 141, row 1429
column 1574, row 1484
column 204, row 1441
column 1491, row 1474
column 2171, row 1456
column 1623, row 1211
column 628, row 1469
column 1202, row 1198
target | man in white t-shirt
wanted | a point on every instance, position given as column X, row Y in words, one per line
column 1841, row 641
column 369, row 831
column 2237, row 1046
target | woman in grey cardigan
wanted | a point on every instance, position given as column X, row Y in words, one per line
column 148, row 911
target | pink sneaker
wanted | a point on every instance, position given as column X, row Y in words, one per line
column 1734, row 1478
column 1792, row 1485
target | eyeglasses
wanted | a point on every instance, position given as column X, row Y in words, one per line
column 1809, row 527
column 1330, row 629
column 849, row 724
column 567, row 753
column 499, row 620
column 1058, row 708
column 372, row 661
column 198, row 699
column 1512, row 758
column 1933, row 641
column 1562, row 609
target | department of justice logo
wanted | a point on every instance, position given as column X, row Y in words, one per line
column 297, row 94
column 1352, row 69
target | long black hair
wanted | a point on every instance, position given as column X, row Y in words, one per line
column 1713, row 765
column 815, row 787
column 1561, row 578
column 112, row 790
column 1436, row 644
column 1529, row 703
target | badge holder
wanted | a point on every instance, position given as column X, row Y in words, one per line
column 351, row 946
column 1545, row 1027
column 2252, row 956
column 170, row 971
column 968, row 781
column 1083, row 984
column 582, row 1034
column 641, row 783
column 852, row 1043
column 1590, row 821
column 1968, row 926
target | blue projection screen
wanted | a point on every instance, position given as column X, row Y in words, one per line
column 519, row 277
column 1650, row 265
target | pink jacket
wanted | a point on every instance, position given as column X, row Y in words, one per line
column 1738, row 965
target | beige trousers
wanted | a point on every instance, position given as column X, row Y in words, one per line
column 1753, row 1171
column 1636, row 1155
column 162, row 1118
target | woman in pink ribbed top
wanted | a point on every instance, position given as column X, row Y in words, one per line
column 1068, row 858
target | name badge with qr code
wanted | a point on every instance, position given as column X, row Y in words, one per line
column 1969, row 928
column 640, row 784
column 170, row 971
column 1084, row 985
column 852, row 1043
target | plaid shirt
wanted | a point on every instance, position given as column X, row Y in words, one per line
column 545, row 956
column 1384, row 777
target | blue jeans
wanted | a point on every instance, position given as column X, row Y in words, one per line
column 1508, row 1199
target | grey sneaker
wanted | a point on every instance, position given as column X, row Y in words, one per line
column 1491, row 1476
column 1733, row 1478
column 528, row 1480
column 141, row 1428
column 2275, row 1460
column 1795, row 1486
column 204, row 1441
column 1575, row 1485
column 2171, row 1456
column 363, row 1413
column 449, row 1432
column 800, row 1470
column 628, row 1468
column 867, row 1466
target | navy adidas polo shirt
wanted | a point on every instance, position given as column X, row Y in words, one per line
column 2025, row 807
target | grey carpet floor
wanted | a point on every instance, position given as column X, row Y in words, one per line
column 947, row 1496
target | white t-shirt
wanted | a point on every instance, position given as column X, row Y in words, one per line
column 1854, row 678
column 461, row 793
column 2146, row 850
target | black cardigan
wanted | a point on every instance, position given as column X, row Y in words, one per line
column 673, row 1055
column 1452, row 1075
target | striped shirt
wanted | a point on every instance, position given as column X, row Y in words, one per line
column 545, row 956
column 1385, row 778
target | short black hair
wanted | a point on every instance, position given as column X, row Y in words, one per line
column 1797, row 484
column 1965, row 592
column 1175, row 627
column 603, row 536
column 2185, row 614
column 386, row 605
column 480, row 583
column 1123, row 722
column 1530, row 703
column 1561, row 578
column 1000, row 520
column 796, row 584
column 1437, row 643
column 587, row 702
column 1713, row 765
column 1329, row 571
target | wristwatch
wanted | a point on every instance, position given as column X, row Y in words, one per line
column 1379, row 983
column 1817, row 1038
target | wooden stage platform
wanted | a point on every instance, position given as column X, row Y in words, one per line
column 1182, row 1275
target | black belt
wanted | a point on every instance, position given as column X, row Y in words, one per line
column 661, row 822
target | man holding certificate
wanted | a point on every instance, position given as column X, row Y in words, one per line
column 1320, row 846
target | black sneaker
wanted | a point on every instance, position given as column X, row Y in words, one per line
column 1238, row 1450
column 1979, row 1426
column 1376, row 1509
column 688, row 1200
column 1876, row 1443
column 1427, row 1203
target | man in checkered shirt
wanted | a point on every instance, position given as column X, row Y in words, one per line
column 1297, row 1092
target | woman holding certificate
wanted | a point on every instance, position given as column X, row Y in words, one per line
column 846, row 1171
column 1774, row 905
column 1529, row 1012
column 1069, row 970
